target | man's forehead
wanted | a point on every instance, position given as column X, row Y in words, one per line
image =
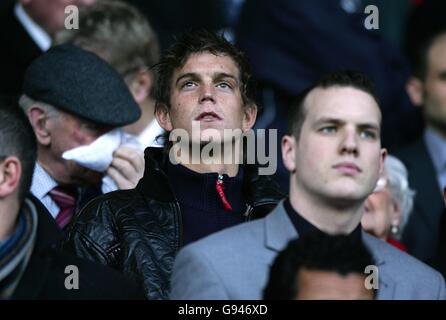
column 209, row 63
column 437, row 52
column 342, row 102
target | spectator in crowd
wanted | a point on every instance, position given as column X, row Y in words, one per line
column 425, row 159
column 292, row 43
column 333, row 153
column 121, row 35
column 320, row 266
column 72, row 97
column 202, row 79
column 26, row 30
column 30, row 266
column 388, row 208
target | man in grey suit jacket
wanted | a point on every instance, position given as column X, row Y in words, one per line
column 333, row 153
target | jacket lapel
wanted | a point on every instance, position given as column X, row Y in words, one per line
column 387, row 285
column 279, row 229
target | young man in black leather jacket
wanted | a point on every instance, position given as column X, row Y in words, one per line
column 201, row 81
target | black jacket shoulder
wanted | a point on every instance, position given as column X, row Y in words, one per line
column 46, row 274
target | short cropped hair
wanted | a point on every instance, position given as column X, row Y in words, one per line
column 199, row 41
column 343, row 78
column 17, row 139
column 117, row 32
column 315, row 251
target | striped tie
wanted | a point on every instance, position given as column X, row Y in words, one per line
column 66, row 201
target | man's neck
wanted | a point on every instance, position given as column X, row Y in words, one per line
column 147, row 116
column 47, row 164
column 9, row 211
column 331, row 216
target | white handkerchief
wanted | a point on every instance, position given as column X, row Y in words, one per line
column 98, row 155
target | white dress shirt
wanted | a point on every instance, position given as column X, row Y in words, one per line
column 41, row 185
column 40, row 37
column 147, row 138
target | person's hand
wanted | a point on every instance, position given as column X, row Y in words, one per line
column 127, row 167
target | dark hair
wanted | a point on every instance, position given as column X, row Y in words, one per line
column 315, row 251
column 343, row 78
column 198, row 41
column 17, row 139
column 425, row 23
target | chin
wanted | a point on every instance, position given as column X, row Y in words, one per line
column 211, row 135
column 347, row 196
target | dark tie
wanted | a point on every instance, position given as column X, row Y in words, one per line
column 65, row 198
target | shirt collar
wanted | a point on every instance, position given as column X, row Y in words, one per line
column 436, row 147
column 148, row 137
column 304, row 227
column 42, row 39
column 42, row 182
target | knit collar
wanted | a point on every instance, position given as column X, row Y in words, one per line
column 199, row 189
column 257, row 189
column 304, row 227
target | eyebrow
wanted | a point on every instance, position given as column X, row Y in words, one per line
column 216, row 75
column 366, row 125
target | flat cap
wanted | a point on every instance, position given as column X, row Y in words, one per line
column 79, row 82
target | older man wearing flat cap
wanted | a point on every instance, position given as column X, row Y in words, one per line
column 72, row 97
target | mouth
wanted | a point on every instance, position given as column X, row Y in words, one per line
column 208, row 117
column 348, row 168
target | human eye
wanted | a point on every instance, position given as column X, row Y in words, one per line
column 368, row 134
column 224, row 85
column 188, row 85
column 328, row 129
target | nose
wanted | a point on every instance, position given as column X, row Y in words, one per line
column 349, row 143
column 207, row 93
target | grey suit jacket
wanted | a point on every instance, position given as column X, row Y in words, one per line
column 234, row 264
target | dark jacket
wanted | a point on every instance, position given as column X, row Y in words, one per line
column 44, row 276
column 422, row 230
column 18, row 51
column 139, row 231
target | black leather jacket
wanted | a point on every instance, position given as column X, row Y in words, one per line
column 139, row 231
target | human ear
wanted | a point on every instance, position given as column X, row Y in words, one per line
column 163, row 117
column 289, row 152
column 10, row 172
